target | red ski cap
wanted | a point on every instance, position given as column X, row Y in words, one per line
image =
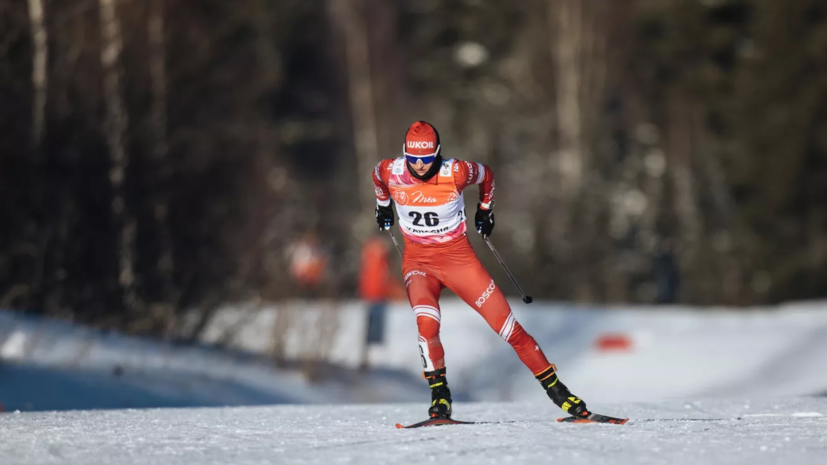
column 421, row 140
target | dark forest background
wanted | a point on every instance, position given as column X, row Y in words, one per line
column 158, row 156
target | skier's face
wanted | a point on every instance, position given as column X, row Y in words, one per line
column 421, row 168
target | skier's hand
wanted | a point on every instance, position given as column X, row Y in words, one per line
column 384, row 217
column 484, row 221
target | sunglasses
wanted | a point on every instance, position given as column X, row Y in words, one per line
column 412, row 159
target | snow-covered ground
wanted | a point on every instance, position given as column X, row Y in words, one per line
column 713, row 386
column 671, row 353
column 53, row 365
column 778, row 431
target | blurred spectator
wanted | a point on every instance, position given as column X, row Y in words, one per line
column 667, row 273
column 307, row 262
column 376, row 286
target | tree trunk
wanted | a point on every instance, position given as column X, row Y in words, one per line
column 40, row 57
column 682, row 176
column 165, row 265
column 566, row 25
column 348, row 17
column 116, row 126
column 578, row 40
column 680, row 150
column 565, row 164
column 268, row 22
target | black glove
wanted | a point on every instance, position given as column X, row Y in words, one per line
column 484, row 221
column 384, row 217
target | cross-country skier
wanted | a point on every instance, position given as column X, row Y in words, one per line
column 427, row 190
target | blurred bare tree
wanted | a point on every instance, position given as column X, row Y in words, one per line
column 159, row 156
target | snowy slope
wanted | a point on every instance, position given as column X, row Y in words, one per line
column 788, row 431
column 53, row 365
column 676, row 352
column 692, row 373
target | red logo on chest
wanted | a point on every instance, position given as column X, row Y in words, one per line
column 400, row 197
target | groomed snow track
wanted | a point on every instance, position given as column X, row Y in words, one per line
column 719, row 431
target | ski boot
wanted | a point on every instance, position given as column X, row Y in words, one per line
column 560, row 394
column 440, row 394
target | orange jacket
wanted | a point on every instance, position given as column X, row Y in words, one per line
column 375, row 280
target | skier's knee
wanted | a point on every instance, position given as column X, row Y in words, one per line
column 427, row 320
column 513, row 332
column 428, row 328
column 508, row 329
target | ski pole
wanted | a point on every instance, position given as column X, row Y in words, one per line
column 396, row 243
column 526, row 298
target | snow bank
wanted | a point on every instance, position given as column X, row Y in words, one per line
column 618, row 354
column 53, row 365
column 666, row 352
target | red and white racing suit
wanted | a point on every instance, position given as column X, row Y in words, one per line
column 431, row 216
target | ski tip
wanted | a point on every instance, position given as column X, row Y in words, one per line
column 399, row 426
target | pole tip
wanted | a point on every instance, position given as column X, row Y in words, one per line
column 527, row 299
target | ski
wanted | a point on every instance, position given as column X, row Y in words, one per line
column 436, row 422
column 594, row 418
column 591, row 418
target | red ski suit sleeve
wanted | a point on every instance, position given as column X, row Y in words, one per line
column 381, row 174
column 469, row 173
